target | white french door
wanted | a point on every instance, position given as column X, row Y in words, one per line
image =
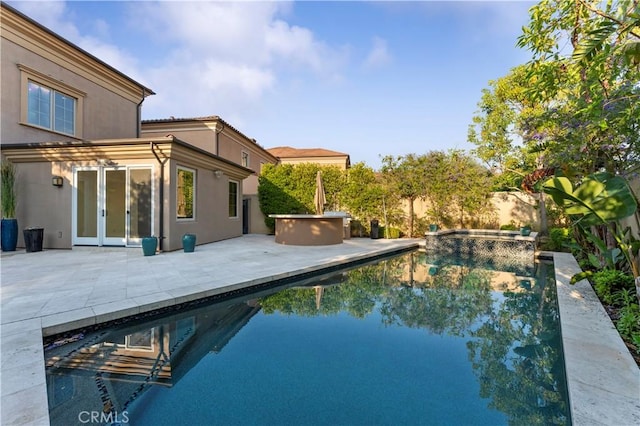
column 112, row 205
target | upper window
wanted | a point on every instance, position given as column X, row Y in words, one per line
column 50, row 104
column 51, row 109
column 186, row 195
column 245, row 159
column 233, row 199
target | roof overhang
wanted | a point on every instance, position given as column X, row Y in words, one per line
column 116, row 150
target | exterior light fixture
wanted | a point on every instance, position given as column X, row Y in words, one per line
column 106, row 162
column 57, row 181
column 218, row 173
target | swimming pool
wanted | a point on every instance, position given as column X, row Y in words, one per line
column 411, row 339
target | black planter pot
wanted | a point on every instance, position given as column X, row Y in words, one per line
column 9, row 234
column 33, row 239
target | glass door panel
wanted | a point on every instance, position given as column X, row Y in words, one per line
column 115, row 207
column 140, row 204
column 86, row 207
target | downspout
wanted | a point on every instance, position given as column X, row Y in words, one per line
column 218, row 137
column 139, row 116
column 161, row 193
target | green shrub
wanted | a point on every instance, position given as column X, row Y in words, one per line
column 391, row 232
column 628, row 324
column 608, row 282
column 560, row 239
column 509, row 227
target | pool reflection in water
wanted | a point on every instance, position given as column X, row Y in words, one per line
column 412, row 339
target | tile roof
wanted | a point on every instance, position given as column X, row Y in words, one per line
column 289, row 152
column 216, row 118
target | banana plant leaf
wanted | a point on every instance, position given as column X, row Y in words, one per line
column 601, row 198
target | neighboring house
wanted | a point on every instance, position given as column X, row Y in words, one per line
column 324, row 157
column 214, row 135
column 66, row 114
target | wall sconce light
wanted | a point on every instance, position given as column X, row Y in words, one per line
column 106, row 162
column 57, row 181
column 218, row 173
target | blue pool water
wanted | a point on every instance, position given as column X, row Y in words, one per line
column 409, row 340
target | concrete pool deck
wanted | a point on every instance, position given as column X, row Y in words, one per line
column 52, row 291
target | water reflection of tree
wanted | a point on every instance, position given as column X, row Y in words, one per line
column 437, row 304
column 510, row 346
column 357, row 294
column 515, row 355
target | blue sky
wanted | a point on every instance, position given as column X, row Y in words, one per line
column 366, row 78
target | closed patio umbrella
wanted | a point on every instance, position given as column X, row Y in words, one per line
column 319, row 199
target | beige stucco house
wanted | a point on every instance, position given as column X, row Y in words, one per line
column 320, row 156
column 214, row 135
column 71, row 125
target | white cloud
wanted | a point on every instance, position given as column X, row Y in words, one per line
column 378, row 55
column 215, row 56
column 237, row 51
column 56, row 16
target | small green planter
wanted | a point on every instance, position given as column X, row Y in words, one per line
column 525, row 231
column 149, row 245
column 189, row 243
column 433, row 228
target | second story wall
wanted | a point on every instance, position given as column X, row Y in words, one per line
column 216, row 136
column 45, row 77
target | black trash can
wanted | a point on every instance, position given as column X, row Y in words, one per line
column 33, row 239
column 375, row 229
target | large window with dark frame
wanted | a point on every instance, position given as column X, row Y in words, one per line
column 186, row 194
column 233, row 199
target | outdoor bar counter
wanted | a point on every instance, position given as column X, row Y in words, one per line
column 309, row 230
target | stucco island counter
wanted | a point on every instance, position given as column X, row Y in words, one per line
column 311, row 230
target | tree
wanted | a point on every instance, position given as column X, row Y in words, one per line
column 499, row 126
column 437, row 191
column 405, row 177
column 468, row 184
column 364, row 196
column 592, row 116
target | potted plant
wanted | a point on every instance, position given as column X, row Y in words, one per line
column 9, row 225
column 525, row 230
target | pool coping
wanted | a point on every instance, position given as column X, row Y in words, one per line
column 603, row 379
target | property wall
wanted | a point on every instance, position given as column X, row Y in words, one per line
column 506, row 207
column 633, row 221
column 105, row 115
column 517, row 207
